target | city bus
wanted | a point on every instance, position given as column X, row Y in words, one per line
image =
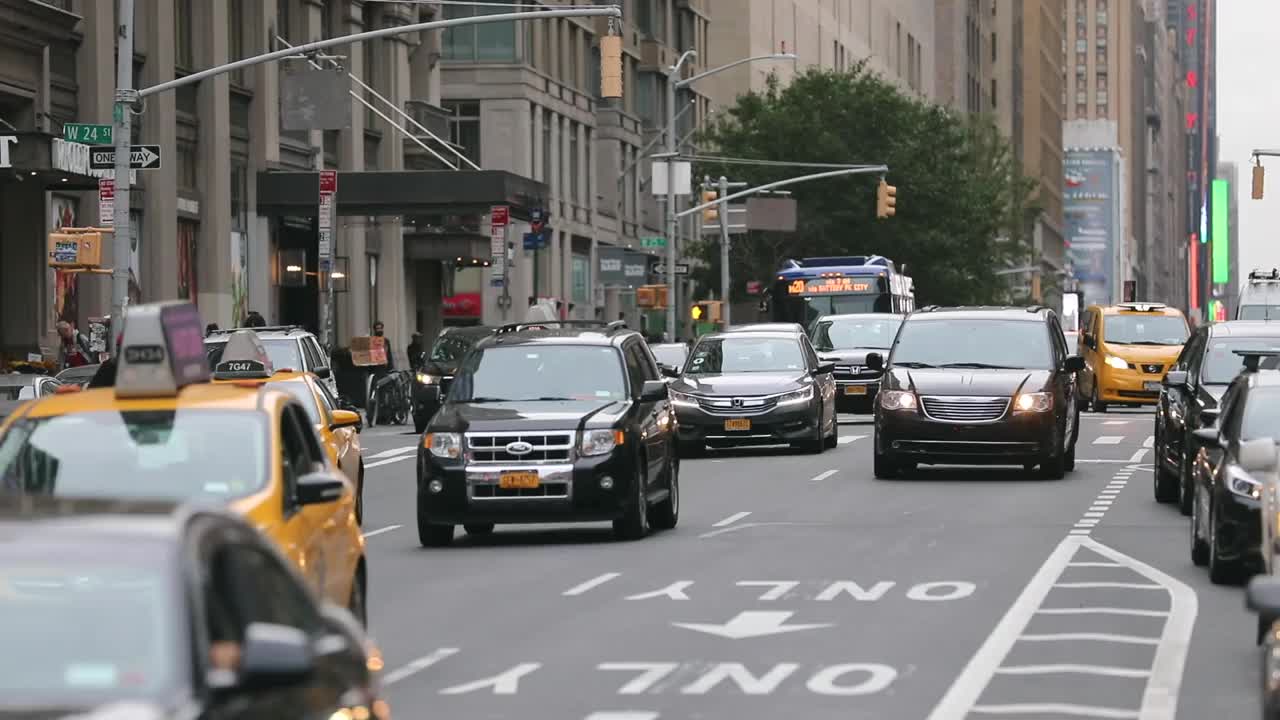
column 807, row 289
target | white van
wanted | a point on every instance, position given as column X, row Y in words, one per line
column 1260, row 296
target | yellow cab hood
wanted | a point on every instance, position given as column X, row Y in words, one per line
column 1144, row 353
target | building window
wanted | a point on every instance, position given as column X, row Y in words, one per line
column 489, row 42
column 283, row 20
column 239, row 195
column 184, row 54
column 187, row 270
column 686, row 31
column 1102, row 112
column 993, row 47
column 326, row 19
column 548, row 119
column 646, row 15
column 993, row 93
column 1102, row 17
column 581, row 278
column 464, row 127
column 1082, row 111
column 1082, row 46
column 1102, row 81
column 574, row 183
column 187, row 166
column 1101, row 98
column 236, row 34
column 646, row 98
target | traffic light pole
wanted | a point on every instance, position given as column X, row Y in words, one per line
column 725, row 300
column 724, row 200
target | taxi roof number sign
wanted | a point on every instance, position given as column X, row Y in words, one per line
column 244, row 357
column 162, row 350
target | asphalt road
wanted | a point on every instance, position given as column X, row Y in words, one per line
column 800, row 584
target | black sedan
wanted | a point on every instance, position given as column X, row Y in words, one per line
column 175, row 612
column 846, row 340
column 436, row 368
column 757, row 388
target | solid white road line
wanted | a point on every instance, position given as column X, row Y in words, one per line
column 417, row 666
column 732, row 518
column 846, row 439
column 1150, row 442
column 1101, row 611
column 1099, row 637
column 1073, row 669
column 591, row 584
column 1139, row 455
column 624, row 715
column 823, row 476
column 1093, row 585
column 1041, row 709
column 1094, row 564
column 1108, row 439
column 379, row 531
column 392, row 452
column 388, row 461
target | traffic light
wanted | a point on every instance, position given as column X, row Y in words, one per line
column 1258, row 174
column 707, row 311
column 886, row 200
column 712, row 214
column 611, row 66
column 698, row 311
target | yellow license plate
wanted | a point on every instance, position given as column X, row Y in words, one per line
column 518, row 480
column 855, row 389
column 737, row 424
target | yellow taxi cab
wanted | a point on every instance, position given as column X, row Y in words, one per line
column 1127, row 349
column 245, row 361
column 164, row 432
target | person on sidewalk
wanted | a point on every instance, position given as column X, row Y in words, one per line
column 73, row 349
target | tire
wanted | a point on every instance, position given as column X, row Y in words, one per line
column 430, row 535
column 833, row 440
column 818, row 443
column 479, row 529
column 420, row 423
column 1221, row 572
column 1094, row 402
column 634, row 525
column 360, row 495
column 1165, row 484
column 693, row 449
column 1199, row 548
column 1185, row 493
column 357, row 603
column 1054, row 466
column 666, row 514
column 884, row 466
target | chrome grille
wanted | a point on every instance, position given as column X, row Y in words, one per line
column 555, row 446
column 855, row 372
column 737, row 406
column 963, row 409
column 493, row 492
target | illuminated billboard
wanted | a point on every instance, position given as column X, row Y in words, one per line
column 1221, row 232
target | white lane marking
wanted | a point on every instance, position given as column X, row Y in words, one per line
column 379, row 531
column 591, row 584
column 1139, row 455
column 1150, row 442
column 1094, row 564
column 1094, row 585
column 1098, row 637
column 623, row 715
column 1043, row 709
column 1073, row 669
column 392, row 452
column 823, row 476
column 1116, row 422
column 504, row 683
column 732, row 518
column 1094, row 514
column 1078, row 531
column 388, row 461
column 845, row 440
column 1101, row 611
column 417, row 666
column 1101, row 462
column 674, row 591
column 1108, row 439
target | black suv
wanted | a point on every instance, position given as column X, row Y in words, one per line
column 551, row 422
column 978, row 385
column 438, row 366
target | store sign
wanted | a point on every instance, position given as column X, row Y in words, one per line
column 462, row 305
column 610, row 262
column 5, row 142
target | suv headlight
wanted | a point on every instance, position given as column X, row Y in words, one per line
column 600, row 442
column 444, row 445
column 426, row 379
column 898, row 400
column 804, row 394
column 1033, row 402
column 683, row 399
column 1240, row 483
column 1117, row 363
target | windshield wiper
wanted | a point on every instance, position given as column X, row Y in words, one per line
column 978, row 365
column 549, row 399
column 910, row 364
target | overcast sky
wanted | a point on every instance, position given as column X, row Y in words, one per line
column 1249, row 117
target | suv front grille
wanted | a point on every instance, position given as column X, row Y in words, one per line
column 962, row 409
column 855, row 372
column 555, row 446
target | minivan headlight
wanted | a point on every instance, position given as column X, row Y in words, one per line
column 444, row 445
column 1117, row 363
column 1240, row 483
column 804, row 394
column 898, row 400
column 1033, row 402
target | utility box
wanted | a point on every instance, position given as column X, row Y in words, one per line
column 75, row 248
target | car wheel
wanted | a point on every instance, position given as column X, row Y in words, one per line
column 356, row 602
column 1221, row 572
column 1185, row 494
column 667, row 513
column 420, row 423
column 1199, row 548
column 634, row 524
column 431, row 535
column 818, row 442
column 833, row 439
column 1054, row 466
column 478, row 528
column 884, row 466
column 691, row 449
column 1095, row 402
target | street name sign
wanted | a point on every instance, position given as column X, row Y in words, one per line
column 653, row 242
column 87, row 134
column 141, row 157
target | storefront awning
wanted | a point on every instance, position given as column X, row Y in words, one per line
column 406, row 193
column 48, row 161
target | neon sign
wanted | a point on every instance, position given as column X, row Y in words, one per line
column 828, row 286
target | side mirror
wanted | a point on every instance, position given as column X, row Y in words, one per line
column 1257, row 455
column 825, row 368
column 1073, row 363
column 875, row 361
column 670, row 371
column 319, row 487
column 1175, row 378
column 1263, row 596
column 1207, row 436
column 274, row 655
column 346, row 418
column 653, row 391
column 324, row 373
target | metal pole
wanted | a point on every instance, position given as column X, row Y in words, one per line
column 724, row 253
column 121, row 132
column 671, row 205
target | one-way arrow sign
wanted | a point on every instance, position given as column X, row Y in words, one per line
column 752, row 623
column 141, row 157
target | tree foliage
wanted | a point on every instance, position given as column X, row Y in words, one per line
column 961, row 201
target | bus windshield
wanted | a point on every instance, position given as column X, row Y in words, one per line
column 806, row 310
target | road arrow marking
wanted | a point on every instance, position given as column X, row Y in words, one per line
column 752, row 623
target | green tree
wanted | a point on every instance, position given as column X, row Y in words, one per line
column 959, row 194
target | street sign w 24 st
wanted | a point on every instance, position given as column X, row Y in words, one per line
column 87, row 134
column 141, row 157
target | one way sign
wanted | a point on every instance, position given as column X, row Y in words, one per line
column 141, row 157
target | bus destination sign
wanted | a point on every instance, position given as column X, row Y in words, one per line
column 828, row 286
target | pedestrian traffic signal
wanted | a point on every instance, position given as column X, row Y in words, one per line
column 712, row 214
column 886, row 200
column 707, row 311
column 611, row 66
column 1258, row 175
column 697, row 312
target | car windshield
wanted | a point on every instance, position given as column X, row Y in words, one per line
column 89, row 632
column 855, row 332
column 1221, row 364
column 973, row 342
column 450, row 349
column 745, row 353
column 673, row 355
column 151, row 454
column 1259, row 312
column 1261, row 414
column 534, row 372
column 284, row 353
column 1145, row 330
column 301, row 391
column 78, row 375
